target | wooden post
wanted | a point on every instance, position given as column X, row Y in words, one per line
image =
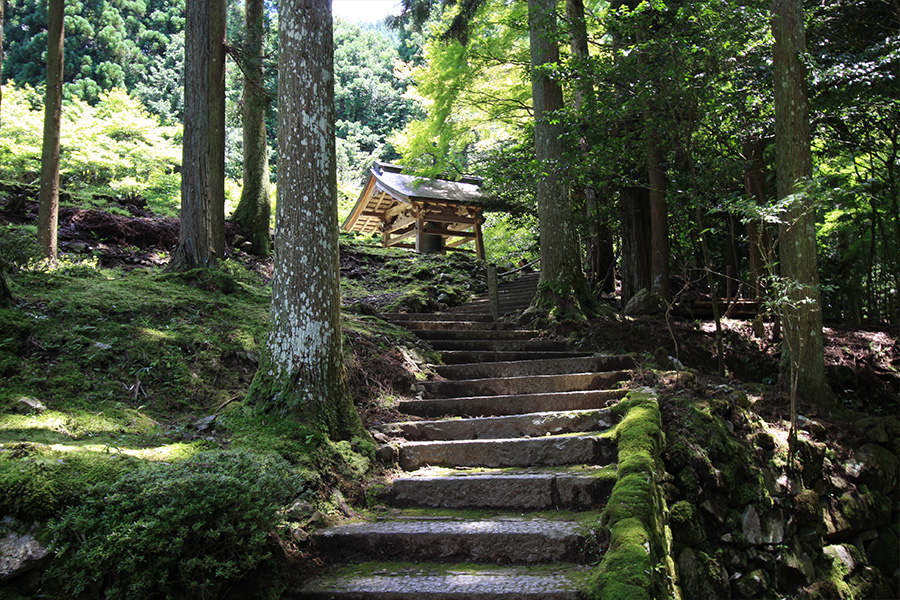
column 420, row 231
column 479, row 241
column 493, row 291
column 385, row 235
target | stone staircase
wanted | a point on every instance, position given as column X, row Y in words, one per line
column 502, row 480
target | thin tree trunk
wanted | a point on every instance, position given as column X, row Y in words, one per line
column 635, row 214
column 48, row 203
column 659, row 216
column 6, row 296
column 599, row 238
column 302, row 372
column 254, row 210
column 562, row 289
column 216, row 156
column 195, row 245
column 755, row 187
column 804, row 354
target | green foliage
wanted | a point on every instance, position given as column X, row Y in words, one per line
column 36, row 482
column 114, row 147
column 370, row 97
column 17, row 245
column 109, row 43
column 186, row 530
column 477, row 94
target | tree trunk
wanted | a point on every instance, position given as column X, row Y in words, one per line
column 803, row 345
column 636, row 270
column 659, row 215
column 48, row 203
column 599, row 238
column 5, row 293
column 302, row 371
column 195, row 244
column 254, row 209
column 216, row 156
column 755, row 187
column 562, row 290
column 2, row 6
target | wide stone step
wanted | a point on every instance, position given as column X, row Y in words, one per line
column 512, row 426
column 454, row 325
column 526, row 384
column 402, row 317
column 547, row 451
column 455, row 357
column 476, row 334
column 500, row 345
column 492, row 541
column 484, row 306
column 580, row 488
column 478, row 406
column 436, row 582
column 536, row 367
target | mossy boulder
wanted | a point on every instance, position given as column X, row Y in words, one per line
column 856, row 511
column 702, row 576
column 878, row 468
column 685, row 525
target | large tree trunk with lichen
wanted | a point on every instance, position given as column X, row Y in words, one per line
column 803, row 345
column 562, row 291
column 2, row 6
column 48, row 200
column 195, row 241
column 254, row 209
column 302, row 373
column 216, row 157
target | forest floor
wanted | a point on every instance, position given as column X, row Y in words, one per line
column 863, row 363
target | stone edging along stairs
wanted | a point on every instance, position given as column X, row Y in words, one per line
column 502, row 479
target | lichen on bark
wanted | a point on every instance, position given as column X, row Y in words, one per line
column 301, row 371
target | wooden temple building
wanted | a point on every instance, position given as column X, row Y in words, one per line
column 427, row 215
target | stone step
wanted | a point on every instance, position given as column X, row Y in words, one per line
column 455, row 357
column 437, row 582
column 476, row 334
column 402, row 317
column 510, row 405
column 509, row 426
column 536, row 367
column 574, row 488
column 525, row 384
column 457, row 325
column 501, row 345
column 505, row 310
column 507, row 294
column 483, row 304
column 498, row 540
column 547, row 451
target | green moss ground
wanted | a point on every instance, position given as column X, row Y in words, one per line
column 125, row 363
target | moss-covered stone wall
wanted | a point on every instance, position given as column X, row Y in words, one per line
column 636, row 565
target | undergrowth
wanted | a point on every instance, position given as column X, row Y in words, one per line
column 134, row 442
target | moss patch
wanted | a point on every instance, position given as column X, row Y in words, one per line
column 634, row 514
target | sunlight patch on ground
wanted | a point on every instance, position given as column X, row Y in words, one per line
column 167, row 452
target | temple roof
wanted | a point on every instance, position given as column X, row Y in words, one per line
column 387, row 187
